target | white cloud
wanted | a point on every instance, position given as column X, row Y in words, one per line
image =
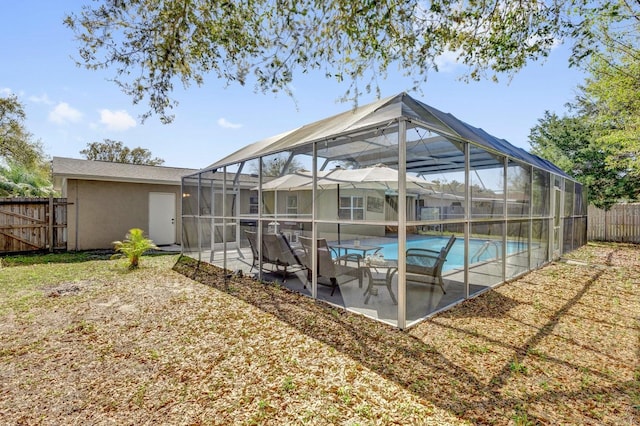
column 5, row 91
column 63, row 114
column 117, row 120
column 448, row 61
column 42, row 99
column 223, row 122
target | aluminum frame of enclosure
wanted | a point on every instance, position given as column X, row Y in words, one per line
column 510, row 211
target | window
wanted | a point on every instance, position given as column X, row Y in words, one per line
column 253, row 205
column 292, row 205
column 351, row 208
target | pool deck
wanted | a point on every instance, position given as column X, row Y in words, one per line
column 423, row 300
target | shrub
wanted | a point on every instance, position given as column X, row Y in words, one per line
column 134, row 245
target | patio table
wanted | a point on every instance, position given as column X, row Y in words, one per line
column 390, row 268
column 363, row 249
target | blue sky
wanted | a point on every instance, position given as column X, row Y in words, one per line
column 68, row 107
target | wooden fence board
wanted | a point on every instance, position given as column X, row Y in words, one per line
column 620, row 224
column 28, row 224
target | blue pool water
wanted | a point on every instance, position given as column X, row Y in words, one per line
column 455, row 259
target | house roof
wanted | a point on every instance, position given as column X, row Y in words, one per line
column 72, row 168
column 380, row 115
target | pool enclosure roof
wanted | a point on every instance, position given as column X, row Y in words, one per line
column 369, row 121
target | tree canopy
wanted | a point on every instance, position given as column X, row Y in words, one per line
column 24, row 171
column 18, row 180
column 116, row 152
column 16, row 143
column 150, row 45
column 570, row 142
column 611, row 99
column 278, row 165
column 600, row 143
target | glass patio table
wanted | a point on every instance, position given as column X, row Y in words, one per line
column 379, row 272
column 358, row 248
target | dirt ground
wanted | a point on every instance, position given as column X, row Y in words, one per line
column 178, row 343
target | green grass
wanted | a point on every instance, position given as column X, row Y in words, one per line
column 287, row 384
column 516, row 366
column 25, row 278
column 476, row 349
column 65, row 257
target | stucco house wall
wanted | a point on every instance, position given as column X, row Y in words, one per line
column 107, row 199
column 101, row 212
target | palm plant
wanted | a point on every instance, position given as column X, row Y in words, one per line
column 19, row 180
column 133, row 246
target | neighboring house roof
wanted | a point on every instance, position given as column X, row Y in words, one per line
column 380, row 114
column 72, row 168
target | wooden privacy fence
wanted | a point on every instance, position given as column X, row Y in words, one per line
column 621, row 223
column 33, row 224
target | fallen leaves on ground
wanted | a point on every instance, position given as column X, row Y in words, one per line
column 556, row 346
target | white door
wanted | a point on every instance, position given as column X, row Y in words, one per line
column 162, row 217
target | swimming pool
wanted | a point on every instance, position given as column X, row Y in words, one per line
column 480, row 249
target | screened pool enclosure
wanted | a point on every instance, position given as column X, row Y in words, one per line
column 394, row 210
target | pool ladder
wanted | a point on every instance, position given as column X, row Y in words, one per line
column 483, row 249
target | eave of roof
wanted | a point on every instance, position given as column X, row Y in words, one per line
column 72, row 168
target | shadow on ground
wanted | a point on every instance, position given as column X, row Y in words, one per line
column 409, row 361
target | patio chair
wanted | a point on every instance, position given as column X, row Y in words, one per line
column 253, row 243
column 425, row 266
column 276, row 253
column 328, row 267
